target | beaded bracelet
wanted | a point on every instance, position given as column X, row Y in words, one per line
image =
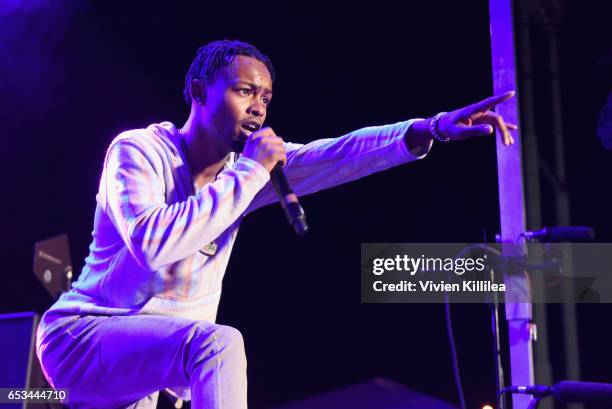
column 433, row 128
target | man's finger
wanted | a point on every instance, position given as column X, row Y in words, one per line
column 264, row 132
column 280, row 155
column 465, row 132
column 274, row 139
column 488, row 103
column 498, row 121
column 493, row 119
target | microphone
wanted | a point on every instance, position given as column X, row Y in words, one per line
column 288, row 200
column 568, row 391
column 560, row 234
column 587, row 392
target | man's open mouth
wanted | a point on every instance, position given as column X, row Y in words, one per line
column 250, row 126
column 246, row 129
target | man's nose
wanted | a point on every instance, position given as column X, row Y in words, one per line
column 257, row 108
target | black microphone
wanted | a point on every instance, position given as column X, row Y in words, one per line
column 288, row 200
column 560, row 234
column 569, row 391
column 587, row 392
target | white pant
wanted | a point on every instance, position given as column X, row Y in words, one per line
column 122, row 361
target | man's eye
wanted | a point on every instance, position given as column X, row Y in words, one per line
column 246, row 91
column 266, row 100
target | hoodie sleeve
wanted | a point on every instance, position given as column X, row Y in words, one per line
column 157, row 233
column 325, row 163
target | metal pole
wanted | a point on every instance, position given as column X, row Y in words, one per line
column 511, row 197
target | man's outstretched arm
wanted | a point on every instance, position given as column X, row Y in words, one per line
column 329, row 162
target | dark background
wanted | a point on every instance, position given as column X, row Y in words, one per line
column 76, row 73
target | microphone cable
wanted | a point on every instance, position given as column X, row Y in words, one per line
column 453, row 348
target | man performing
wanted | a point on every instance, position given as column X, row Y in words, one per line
column 141, row 317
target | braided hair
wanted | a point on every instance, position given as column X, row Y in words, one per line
column 212, row 57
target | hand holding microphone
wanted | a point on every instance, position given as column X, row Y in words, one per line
column 268, row 150
column 264, row 147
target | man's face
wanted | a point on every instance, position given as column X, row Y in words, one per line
column 236, row 102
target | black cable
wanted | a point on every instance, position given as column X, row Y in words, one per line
column 451, row 336
column 533, row 403
column 535, row 400
column 453, row 346
column 499, row 397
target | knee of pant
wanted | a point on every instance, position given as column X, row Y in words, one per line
column 224, row 342
column 229, row 340
column 224, row 338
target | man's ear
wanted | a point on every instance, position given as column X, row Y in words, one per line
column 198, row 92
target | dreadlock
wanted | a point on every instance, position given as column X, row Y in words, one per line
column 212, row 57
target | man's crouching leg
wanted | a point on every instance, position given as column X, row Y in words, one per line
column 217, row 367
column 115, row 362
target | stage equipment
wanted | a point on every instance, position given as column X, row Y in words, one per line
column 559, row 234
column 376, row 393
column 52, row 265
column 20, row 367
column 567, row 392
column 511, row 199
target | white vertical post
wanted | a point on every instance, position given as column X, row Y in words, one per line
column 511, row 197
